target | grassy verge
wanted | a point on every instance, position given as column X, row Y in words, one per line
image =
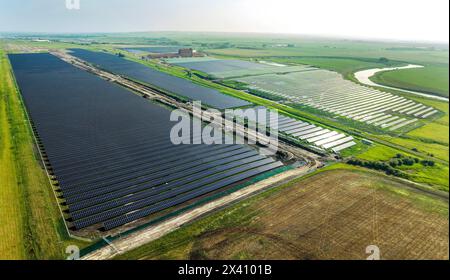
column 11, row 209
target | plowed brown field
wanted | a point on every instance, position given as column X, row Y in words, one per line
column 334, row 214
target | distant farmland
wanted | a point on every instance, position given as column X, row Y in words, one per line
column 109, row 150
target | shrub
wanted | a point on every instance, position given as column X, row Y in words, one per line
column 388, row 168
column 428, row 163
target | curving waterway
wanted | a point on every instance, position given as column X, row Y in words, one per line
column 365, row 75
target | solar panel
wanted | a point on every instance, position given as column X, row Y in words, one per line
column 337, row 142
column 343, row 146
column 134, row 196
column 161, row 196
column 110, row 149
column 329, row 139
column 165, row 81
column 178, row 200
column 149, row 181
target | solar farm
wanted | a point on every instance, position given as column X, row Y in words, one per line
column 108, row 150
column 321, row 89
column 230, row 68
column 328, row 91
column 168, row 83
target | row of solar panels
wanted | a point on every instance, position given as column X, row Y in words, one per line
column 372, row 110
column 170, row 83
column 110, row 150
column 327, row 91
column 316, row 135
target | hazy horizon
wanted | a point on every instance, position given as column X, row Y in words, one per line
column 400, row 20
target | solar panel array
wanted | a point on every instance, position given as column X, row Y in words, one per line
column 153, row 49
column 328, row 91
column 110, row 149
column 178, row 86
column 304, row 131
column 229, row 68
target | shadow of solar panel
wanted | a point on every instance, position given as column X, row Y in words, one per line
column 110, row 150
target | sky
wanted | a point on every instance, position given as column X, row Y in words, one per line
column 416, row 20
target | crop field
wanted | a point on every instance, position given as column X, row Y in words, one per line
column 229, row 68
column 328, row 91
column 110, row 152
column 172, row 84
column 332, row 214
column 439, row 132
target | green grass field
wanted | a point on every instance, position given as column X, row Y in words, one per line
column 429, row 131
column 436, row 177
column 431, row 79
column 32, row 226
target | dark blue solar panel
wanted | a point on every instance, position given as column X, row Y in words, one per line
column 176, row 85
